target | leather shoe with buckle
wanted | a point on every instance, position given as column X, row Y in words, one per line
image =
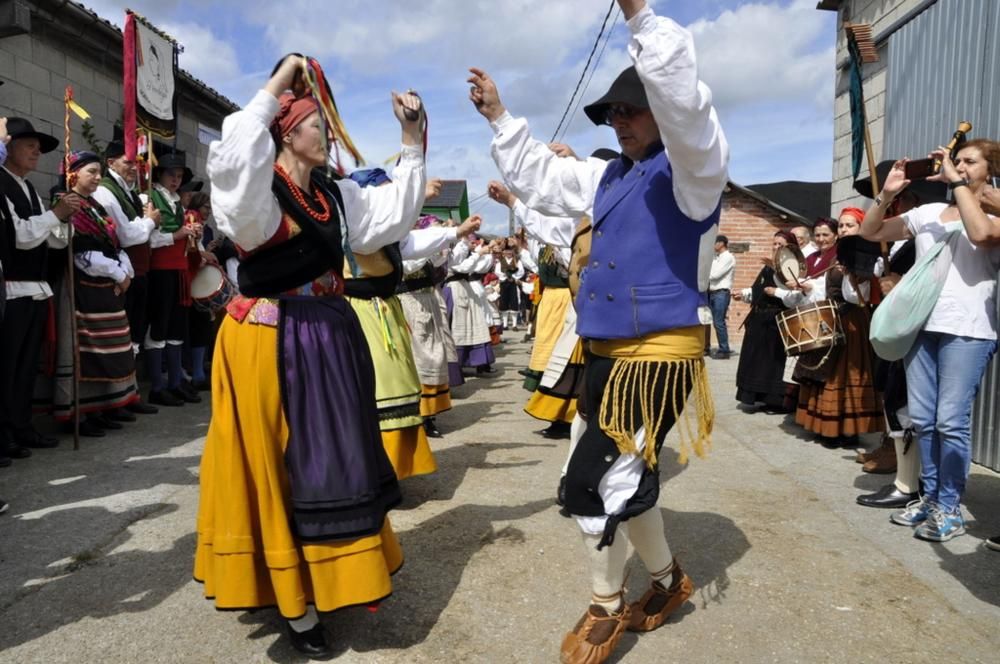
column 312, row 642
column 887, row 497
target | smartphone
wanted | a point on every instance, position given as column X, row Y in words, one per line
column 918, row 169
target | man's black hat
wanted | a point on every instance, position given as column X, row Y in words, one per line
column 627, row 89
column 21, row 128
column 173, row 160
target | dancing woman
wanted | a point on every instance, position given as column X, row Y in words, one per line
column 283, row 519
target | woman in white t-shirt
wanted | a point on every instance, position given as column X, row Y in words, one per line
column 947, row 361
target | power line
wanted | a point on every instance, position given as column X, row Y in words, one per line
column 585, row 67
column 593, row 71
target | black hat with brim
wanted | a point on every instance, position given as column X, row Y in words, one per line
column 192, row 186
column 114, row 150
column 604, row 154
column 173, row 160
column 927, row 192
column 627, row 89
column 22, row 128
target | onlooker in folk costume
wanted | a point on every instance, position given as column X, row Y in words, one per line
column 641, row 304
column 135, row 222
column 201, row 322
column 760, row 375
column 304, row 526
column 424, row 309
column 947, row 361
column 555, row 302
column 170, row 285
column 837, row 397
column 102, row 275
column 471, row 260
column 804, row 239
column 720, row 287
column 27, row 233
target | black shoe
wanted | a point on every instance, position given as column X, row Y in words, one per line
column 165, row 398
column 556, row 431
column 36, row 440
column 721, row 355
column 142, row 408
column 430, row 428
column 485, row 370
column 5, row 460
column 992, row 543
column 3, row 507
column 103, row 421
column 201, row 385
column 120, row 415
column 14, row 451
column 186, row 394
column 312, row 642
column 888, row 497
column 90, row 429
column 838, row 442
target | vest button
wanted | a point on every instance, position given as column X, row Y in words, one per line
column 611, row 298
column 611, row 265
column 594, row 265
column 600, row 233
column 608, row 459
column 592, row 296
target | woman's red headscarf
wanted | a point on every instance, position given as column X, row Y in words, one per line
column 291, row 113
column 856, row 213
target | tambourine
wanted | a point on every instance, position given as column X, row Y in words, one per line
column 789, row 266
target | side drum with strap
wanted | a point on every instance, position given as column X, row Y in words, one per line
column 811, row 326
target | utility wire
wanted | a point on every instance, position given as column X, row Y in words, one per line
column 583, row 74
column 597, row 63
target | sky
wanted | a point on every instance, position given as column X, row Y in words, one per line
column 769, row 63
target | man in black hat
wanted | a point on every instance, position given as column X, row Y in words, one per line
column 27, row 232
column 135, row 222
column 169, row 285
column 641, row 305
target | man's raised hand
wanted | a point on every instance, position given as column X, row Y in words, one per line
column 484, row 95
column 501, row 194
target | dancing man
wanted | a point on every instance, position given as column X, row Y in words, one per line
column 641, row 304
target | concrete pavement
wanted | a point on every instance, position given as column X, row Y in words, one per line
column 96, row 553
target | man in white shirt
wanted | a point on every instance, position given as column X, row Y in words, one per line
column 720, row 285
column 804, row 238
column 29, row 231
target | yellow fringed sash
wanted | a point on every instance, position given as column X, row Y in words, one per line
column 640, row 364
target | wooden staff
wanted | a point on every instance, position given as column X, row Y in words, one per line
column 861, row 35
column 75, row 398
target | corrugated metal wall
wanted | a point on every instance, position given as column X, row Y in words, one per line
column 944, row 67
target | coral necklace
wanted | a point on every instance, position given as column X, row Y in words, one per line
column 321, row 216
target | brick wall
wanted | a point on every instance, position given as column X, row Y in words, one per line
column 745, row 220
column 37, row 67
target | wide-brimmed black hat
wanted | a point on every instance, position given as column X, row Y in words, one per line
column 173, row 160
column 114, row 150
column 192, row 186
column 928, row 192
column 627, row 89
column 22, row 128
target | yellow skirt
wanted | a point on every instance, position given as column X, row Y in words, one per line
column 550, row 408
column 246, row 554
column 549, row 325
column 434, row 399
column 409, row 451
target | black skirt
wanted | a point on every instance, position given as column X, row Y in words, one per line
column 759, row 377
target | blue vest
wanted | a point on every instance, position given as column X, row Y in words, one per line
column 643, row 271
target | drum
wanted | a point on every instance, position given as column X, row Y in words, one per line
column 210, row 289
column 788, row 266
column 810, row 327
